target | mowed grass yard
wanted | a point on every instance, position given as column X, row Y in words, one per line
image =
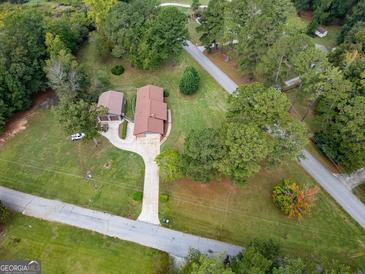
column 43, row 161
column 239, row 214
column 204, row 109
column 65, row 249
column 221, row 210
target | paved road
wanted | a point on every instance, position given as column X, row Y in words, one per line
column 327, row 180
column 179, row 5
column 226, row 82
column 335, row 188
column 148, row 147
column 173, row 242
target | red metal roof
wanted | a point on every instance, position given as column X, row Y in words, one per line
column 151, row 111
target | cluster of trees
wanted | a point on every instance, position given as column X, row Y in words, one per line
column 294, row 200
column 260, row 257
column 248, row 28
column 140, row 30
column 326, row 11
column 273, row 48
column 36, row 51
column 258, row 131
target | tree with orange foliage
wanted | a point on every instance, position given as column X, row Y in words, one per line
column 294, row 200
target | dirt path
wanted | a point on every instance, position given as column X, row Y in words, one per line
column 18, row 122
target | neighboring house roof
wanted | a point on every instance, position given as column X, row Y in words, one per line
column 151, row 111
column 113, row 101
column 321, row 30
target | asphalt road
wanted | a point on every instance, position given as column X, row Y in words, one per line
column 173, row 242
column 226, row 82
column 343, row 196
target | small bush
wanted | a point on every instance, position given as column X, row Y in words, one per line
column 166, row 93
column 117, row 70
column 137, row 196
column 164, row 198
column 190, row 81
column 123, row 129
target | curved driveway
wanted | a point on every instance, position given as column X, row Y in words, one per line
column 343, row 196
column 148, row 147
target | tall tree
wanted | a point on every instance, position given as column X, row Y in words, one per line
column 126, row 24
column 163, row 39
column 202, row 151
column 212, row 22
column 98, row 9
column 169, row 162
column 65, row 75
column 79, row 116
column 277, row 64
column 22, row 55
column 357, row 15
column 259, row 130
column 264, row 23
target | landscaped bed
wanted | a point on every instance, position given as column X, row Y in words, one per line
column 65, row 249
column 42, row 160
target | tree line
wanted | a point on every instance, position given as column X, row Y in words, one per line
column 260, row 257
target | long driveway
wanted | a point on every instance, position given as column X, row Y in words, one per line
column 173, row 242
column 148, row 147
column 343, row 196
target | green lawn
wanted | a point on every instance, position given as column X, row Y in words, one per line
column 205, row 109
column 43, row 161
column 65, row 249
column 237, row 214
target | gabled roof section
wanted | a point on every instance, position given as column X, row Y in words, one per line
column 151, row 111
column 113, row 101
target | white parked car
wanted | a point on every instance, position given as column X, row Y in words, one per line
column 77, row 136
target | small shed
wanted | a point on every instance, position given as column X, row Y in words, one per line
column 114, row 102
column 321, row 32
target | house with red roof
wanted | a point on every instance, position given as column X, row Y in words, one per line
column 151, row 111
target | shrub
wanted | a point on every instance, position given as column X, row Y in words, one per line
column 117, row 70
column 169, row 162
column 166, row 93
column 4, row 214
column 137, row 196
column 123, row 129
column 293, row 200
column 164, row 198
column 190, row 81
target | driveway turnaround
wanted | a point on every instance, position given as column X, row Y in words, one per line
column 148, row 147
column 173, row 242
column 343, row 196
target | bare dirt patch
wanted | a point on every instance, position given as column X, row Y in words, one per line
column 220, row 59
column 18, row 122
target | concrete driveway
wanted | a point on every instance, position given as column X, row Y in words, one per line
column 148, row 147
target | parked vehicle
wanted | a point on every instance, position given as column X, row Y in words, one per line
column 77, row 136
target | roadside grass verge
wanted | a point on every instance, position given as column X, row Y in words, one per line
column 66, row 249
